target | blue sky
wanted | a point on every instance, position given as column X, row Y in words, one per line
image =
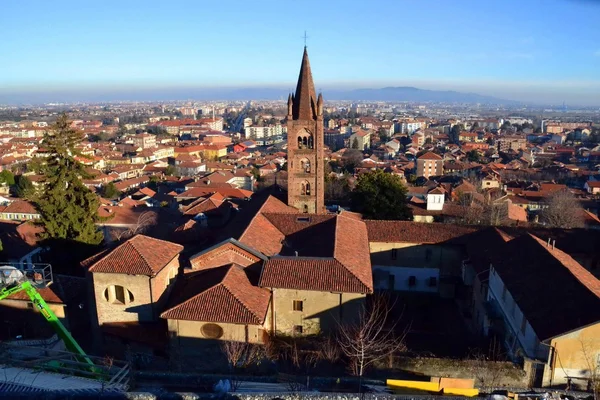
column 534, row 50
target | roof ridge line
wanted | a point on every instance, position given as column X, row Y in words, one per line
column 190, row 299
column 130, row 241
column 335, row 249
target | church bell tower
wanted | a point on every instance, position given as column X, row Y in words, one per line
column 306, row 183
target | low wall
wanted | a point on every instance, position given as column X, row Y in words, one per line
column 485, row 373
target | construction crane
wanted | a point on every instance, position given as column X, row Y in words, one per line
column 14, row 281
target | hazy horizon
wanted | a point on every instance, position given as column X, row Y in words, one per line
column 139, row 49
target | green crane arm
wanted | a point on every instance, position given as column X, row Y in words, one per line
column 42, row 306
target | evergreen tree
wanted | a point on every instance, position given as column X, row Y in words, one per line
column 110, row 191
column 68, row 209
column 23, row 187
column 379, row 195
column 355, row 143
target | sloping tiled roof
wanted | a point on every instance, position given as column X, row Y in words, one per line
column 430, row 156
column 140, row 255
column 546, row 282
column 222, row 294
column 333, row 250
column 415, row 232
column 309, row 273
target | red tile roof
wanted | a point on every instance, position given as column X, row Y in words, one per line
column 140, row 255
column 430, row 156
column 21, row 207
column 326, row 243
column 308, row 273
column 414, row 232
column 223, row 294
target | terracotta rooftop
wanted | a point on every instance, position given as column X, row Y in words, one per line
column 415, row 232
column 140, row 255
column 223, row 294
column 430, row 156
column 325, row 242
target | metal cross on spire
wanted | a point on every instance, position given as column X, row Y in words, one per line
column 305, row 37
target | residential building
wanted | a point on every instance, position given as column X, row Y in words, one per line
column 144, row 140
column 516, row 143
column 259, row 132
column 360, row 140
column 430, row 164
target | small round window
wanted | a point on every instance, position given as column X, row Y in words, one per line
column 212, row 331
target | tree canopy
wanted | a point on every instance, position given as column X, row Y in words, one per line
column 110, row 191
column 562, row 210
column 68, row 209
column 7, row 177
column 23, row 187
column 379, row 195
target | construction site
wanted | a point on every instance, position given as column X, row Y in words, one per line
column 57, row 363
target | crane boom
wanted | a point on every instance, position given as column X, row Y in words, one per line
column 39, row 303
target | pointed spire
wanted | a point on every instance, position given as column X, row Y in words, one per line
column 320, row 104
column 305, row 99
column 289, row 104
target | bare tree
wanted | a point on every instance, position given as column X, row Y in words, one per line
column 496, row 213
column 240, row 355
column 372, row 337
column 562, row 211
column 593, row 375
column 145, row 221
column 329, row 349
column 488, row 367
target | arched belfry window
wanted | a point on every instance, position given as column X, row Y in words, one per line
column 305, row 188
column 305, row 140
column 305, row 166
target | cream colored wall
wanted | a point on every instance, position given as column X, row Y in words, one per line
column 58, row 309
column 189, row 333
column 138, row 310
column 321, row 310
column 575, row 355
column 446, row 258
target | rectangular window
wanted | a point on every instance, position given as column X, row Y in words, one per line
column 298, row 305
column 433, row 281
column 412, row 280
column 394, row 254
column 297, row 329
column 523, row 324
column 120, row 294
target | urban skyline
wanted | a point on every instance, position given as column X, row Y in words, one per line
column 465, row 46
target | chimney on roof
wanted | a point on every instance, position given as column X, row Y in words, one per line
column 296, row 253
column 553, row 243
column 548, row 245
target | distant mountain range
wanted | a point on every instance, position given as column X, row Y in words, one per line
column 402, row 93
